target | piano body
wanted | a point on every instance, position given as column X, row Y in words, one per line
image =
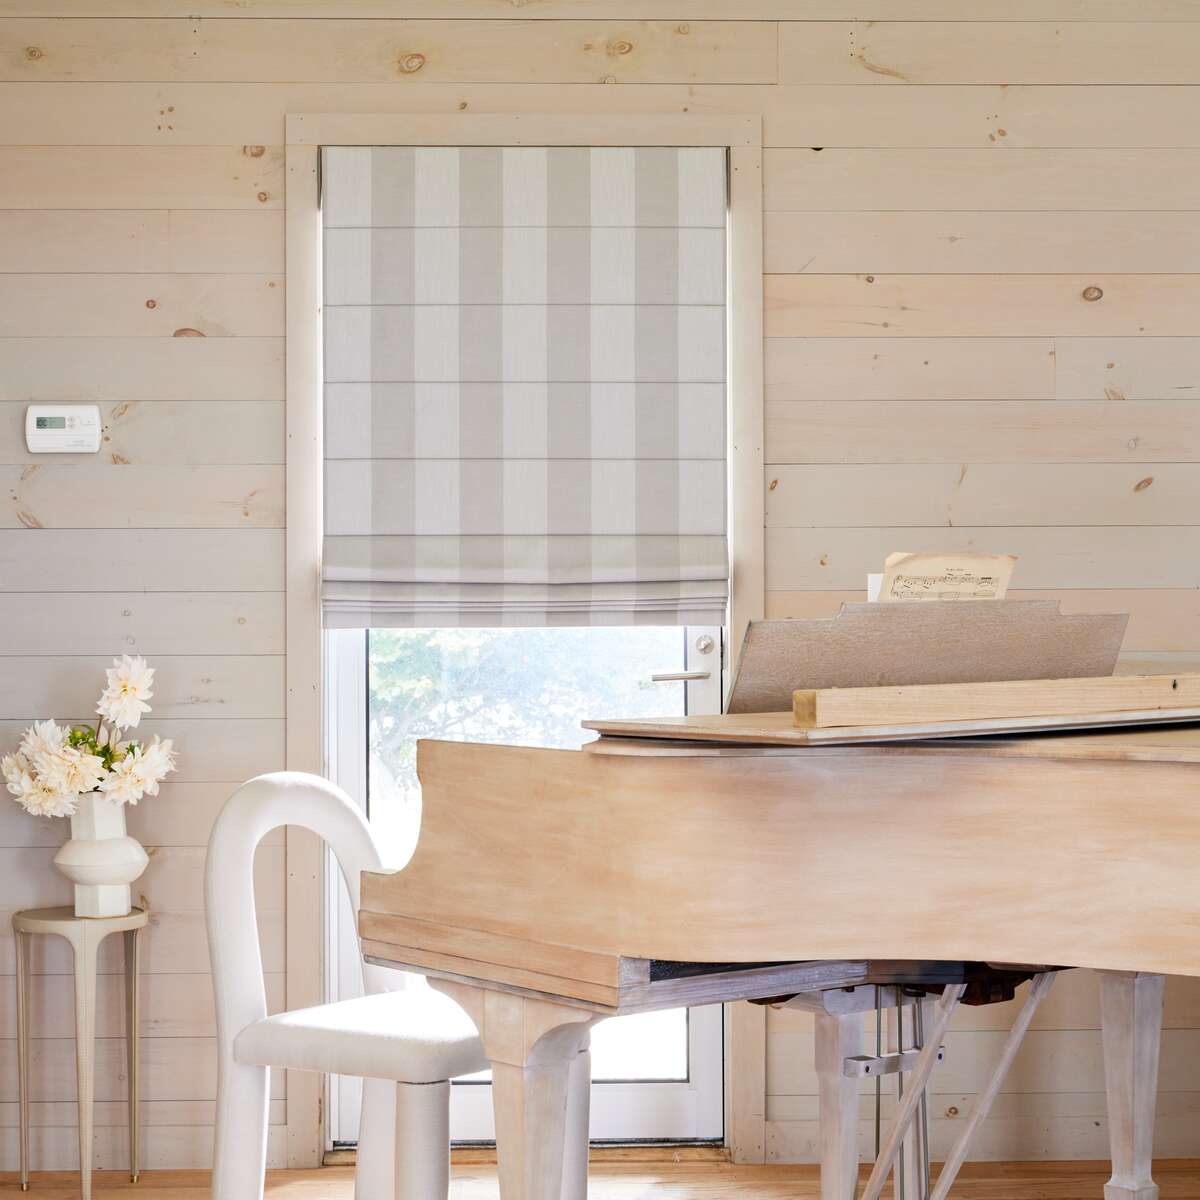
column 552, row 888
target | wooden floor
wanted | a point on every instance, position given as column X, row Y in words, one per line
column 1178, row 1180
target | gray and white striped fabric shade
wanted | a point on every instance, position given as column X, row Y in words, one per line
column 524, row 386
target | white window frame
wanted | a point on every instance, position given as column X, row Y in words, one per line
column 305, row 134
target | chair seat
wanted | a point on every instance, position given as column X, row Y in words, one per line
column 412, row 1036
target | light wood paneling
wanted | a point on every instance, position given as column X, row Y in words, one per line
column 334, row 50
column 985, row 243
column 201, row 560
column 995, row 117
column 877, row 368
column 984, row 494
column 231, row 686
column 51, row 240
column 183, row 114
column 161, row 433
column 1045, row 1058
column 172, row 1068
column 131, row 240
column 1050, row 558
column 153, row 623
column 980, row 305
column 171, row 1006
column 249, row 176
column 173, row 882
column 980, row 180
column 896, row 52
column 53, row 1113
column 161, row 1147
column 182, row 815
column 70, row 369
column 174, row 943
column 233, row 242
column 197, row 114
column 129, row 497
column 1127, row 368
column 141, row 305
column 1029, row 1137
column 982, row 431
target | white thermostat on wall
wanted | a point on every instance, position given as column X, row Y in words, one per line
column 62, row 428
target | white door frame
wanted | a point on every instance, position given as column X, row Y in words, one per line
column 304, row 135
column 669, row 1110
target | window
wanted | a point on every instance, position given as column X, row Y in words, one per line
column 525, row 491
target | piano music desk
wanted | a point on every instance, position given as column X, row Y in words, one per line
column 552, row 888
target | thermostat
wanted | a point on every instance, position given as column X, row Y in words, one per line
column 62, row 428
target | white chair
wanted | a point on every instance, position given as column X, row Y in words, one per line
column 406, row 1044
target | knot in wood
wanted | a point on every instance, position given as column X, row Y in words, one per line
column 254, row 151
column 263, row 197
column 33, row 53
column 151, row 303
column 410, row 64
column 1092, row 293
column 684, row 28
column 619, row 46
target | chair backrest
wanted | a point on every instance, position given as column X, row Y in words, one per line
column 257, row 807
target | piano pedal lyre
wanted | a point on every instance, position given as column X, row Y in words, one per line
column 841, row 1065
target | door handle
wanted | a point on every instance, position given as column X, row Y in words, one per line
column 679, row 676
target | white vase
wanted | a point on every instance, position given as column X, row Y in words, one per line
column 100, row 859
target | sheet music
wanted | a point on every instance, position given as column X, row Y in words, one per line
column 909, row 577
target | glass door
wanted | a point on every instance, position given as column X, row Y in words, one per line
column 656, row 1076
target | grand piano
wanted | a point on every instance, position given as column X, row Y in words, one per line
column 714, row 862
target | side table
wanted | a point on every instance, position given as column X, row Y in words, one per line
column 85, row 935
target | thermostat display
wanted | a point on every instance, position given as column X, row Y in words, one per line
column 62, row 428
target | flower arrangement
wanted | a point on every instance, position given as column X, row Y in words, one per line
column 54, row 766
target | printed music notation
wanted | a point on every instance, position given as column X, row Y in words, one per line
column 908, row 577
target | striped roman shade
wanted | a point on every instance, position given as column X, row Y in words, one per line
column 524, row 386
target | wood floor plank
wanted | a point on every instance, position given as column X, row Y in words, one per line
column 642, row 1173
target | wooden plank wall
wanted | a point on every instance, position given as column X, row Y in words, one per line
column 982, row 247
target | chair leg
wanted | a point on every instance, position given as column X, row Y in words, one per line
column 240, row 1142
column 422, row 1141
column 375, row 1173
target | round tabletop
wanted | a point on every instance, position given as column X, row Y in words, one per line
column 54, row 920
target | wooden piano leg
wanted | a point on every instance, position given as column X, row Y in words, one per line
column 1131, row 1005
column 534, row 1047
column 838, row 1036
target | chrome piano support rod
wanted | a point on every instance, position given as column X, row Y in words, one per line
column 923, row 1132
column 901, row 1176
column 983, row 1102
column 926, row 1060
column 878, row 1078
